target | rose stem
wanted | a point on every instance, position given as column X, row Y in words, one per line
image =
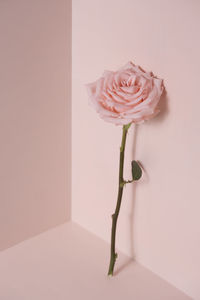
column 113, row 255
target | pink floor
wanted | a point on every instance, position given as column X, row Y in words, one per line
column 68, row 262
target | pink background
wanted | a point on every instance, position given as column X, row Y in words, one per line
column 35, row 80
column 159, row 222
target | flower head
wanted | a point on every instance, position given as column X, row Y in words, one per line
column 129, row 95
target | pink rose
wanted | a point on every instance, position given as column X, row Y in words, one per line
column 129, row 95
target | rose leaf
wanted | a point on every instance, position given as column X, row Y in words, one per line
column 136, row 170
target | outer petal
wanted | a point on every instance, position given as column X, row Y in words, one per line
column 91, row 88
column 128, row 65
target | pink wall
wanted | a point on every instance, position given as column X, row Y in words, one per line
column 159, row 222
column 35, row 60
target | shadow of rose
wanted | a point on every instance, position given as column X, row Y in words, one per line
column 164, row 110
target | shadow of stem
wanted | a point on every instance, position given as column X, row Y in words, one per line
column 132, row 209
column 164, row 110
column 123, row 266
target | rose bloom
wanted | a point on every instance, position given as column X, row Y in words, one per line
column 129, row 95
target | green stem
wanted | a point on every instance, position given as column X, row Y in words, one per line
column 113, row 254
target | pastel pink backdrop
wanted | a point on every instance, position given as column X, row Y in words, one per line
column 159, row 222
column 35, row 76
